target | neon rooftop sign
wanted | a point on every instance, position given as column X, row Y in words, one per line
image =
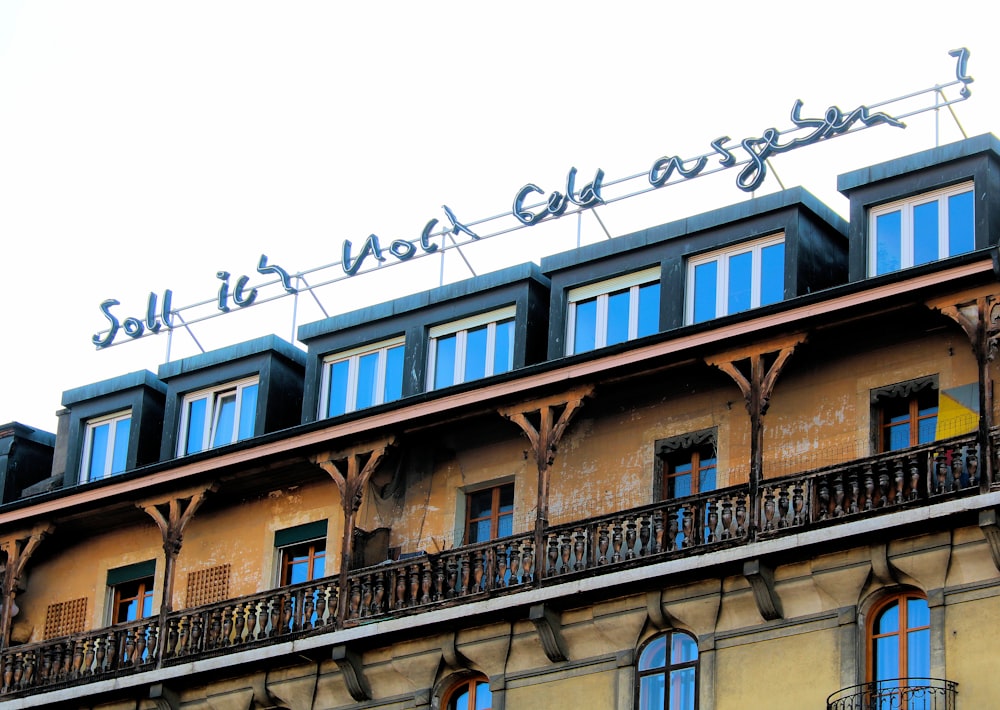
column 749, row 154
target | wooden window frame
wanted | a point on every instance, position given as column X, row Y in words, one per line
column 144, row 589
column 693, row 448
column 668, row 668
column 494, row 514
column 314, row 550
column 469, row 684
column 900, row 600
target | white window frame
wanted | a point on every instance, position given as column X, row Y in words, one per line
column 460, row 329
column 722, row 257
column 88, row 443
column 354, row 356
column 213, row 395
column 602, row 290
column 905, row 208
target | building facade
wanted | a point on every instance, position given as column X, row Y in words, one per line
column 745, row 459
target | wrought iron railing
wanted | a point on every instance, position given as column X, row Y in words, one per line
column 675, row 528
column 897, row 694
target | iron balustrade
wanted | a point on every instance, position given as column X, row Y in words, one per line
column 897, row 694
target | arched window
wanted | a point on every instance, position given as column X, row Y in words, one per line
column 668, row 673
column 899, row 640
column 472, row 693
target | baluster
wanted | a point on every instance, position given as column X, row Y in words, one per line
column 501, row 567
column 240, row 622
column 727, row 519
column 898, row 470
column 286, row 612
column 253, row 629
column 439, row 580
column 46, row 669
column 971, row 468
column 838, row 496
column 564, row 548
column 452, row 577
column 140, row 644
column 883, row 484
column 111, row 643
column 425, row 581
column 128, row 658
column 29, row 669
column 644, row 535
column 603, row 541
column 67, row 663
column 18, row 670
column 741, row 516
column 914, row 476
column 658, row 532
column 823, row 494
column 321, row 605
column 617, row 539
column 400, row 587
column 171, row 648
column 354, row 601
column 869, row 487
column 528, row 571
column 8, row 672
column 769, row 509
column 515, row 564
column 415, row 581
column 490, row 564
column 673, row 529
column 687, row 526
column 630, row 536
column 853, row 482
column 579, row 549
column 100, row 645
column 711, row 520
column 88, row 656
column 227, row 625
column 367, row 594
column 783, row 505
column 214, row 629
column 798, row 503
column 476, row 560
column 553, row 555
column 153, row 640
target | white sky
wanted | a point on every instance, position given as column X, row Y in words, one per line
column 146, row 146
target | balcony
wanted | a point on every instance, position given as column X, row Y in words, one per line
column 731, row 517
column 897, row 694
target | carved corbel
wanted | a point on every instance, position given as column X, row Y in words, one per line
column 654, row 609
column 990, row 526
column 163, row 697
column 761, row 578
column 351, row 668
column 548, row 625
column 450, row 653
column 882, row 569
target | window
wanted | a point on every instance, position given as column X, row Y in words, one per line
column 906, row 414
column 921, row 229
column 131, row 592
column 613, row 311
column 105, row 446
column 469, row 694
column 302, row 553
column 687, row 464
column 362, row 377
column 219, row 416
column 736, row 279
column 489, row 514
column 899, row 643
column 668, row 673
column 471, row 348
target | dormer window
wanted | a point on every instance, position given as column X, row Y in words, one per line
column 362, row 377
column 105, row 447
column 218, row 416
column 471, row 348
column 735, row 279
column 613, row 311
column 921, row 229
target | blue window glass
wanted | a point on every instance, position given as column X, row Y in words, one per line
column 705, row 290
column 900, row 641
column 925, row 232
column 225, row 419
column 649, row 309
column 740, row 282
column 120, row 449
column 585, row 327
column 367, row 380
column 669, row 681
column 772, row 274
column 475, row 353
column 888, row 245
column 961, row 232
column 337, row 390
column 196, row 425
column 444, row 361
column 99, row 450
column 393, row 374
column 248, row 411
column 618, row 313
column 503, row 350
